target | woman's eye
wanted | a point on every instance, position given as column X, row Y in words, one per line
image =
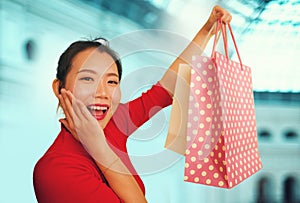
column 87, row 79
column 113, row 82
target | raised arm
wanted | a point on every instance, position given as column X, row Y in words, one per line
column 197, row 46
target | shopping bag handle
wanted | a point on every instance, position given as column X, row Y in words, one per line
column 222, row 27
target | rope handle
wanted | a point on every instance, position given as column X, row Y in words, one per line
column 222, row 27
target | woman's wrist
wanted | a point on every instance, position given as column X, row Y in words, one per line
column 110, row 166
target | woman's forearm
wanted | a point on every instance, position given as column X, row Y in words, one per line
column 197, row 46
column 118, row 176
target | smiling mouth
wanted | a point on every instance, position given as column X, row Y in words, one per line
column 98, row 111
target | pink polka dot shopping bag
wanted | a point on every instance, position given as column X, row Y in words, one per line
column 222, row 147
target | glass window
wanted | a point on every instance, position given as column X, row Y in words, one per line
column 291, row 134
column 264, row 134
column 29, row 48
column 290, row 188
column 264, row 191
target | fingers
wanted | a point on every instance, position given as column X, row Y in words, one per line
column 72, row 112
column 78, row 116
column 75, row 111
column 80, row 109
column 86, row 114
column 67, row 108
column 226, row 18
column 220, row 13
column 74, row 106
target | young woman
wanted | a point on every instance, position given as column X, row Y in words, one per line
column 88, row 161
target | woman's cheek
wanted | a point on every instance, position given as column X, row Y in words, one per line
column 81, row 92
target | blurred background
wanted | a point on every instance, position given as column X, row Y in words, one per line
column 33, row 34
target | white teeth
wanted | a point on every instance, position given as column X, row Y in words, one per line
column 98, row 108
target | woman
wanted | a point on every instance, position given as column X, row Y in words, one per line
column 88, row 161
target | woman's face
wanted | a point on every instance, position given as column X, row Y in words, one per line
column 94, row 80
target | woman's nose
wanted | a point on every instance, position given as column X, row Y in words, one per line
column 101, row 90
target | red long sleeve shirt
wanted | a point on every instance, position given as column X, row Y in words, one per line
column 67, row 173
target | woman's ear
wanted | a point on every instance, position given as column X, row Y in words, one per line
column 55, row 87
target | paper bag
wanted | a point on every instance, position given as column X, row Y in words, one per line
column 176, row 138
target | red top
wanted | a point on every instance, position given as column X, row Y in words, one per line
column 67, row 173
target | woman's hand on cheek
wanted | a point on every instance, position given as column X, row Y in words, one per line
column 66, row 105
column 84, row 127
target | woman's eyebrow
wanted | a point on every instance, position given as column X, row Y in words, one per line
column 112, row 74
column 94, row 72
column 87, row 70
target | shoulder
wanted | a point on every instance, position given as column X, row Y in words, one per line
column 55, row 171
column 62, row 164
column 69, row 178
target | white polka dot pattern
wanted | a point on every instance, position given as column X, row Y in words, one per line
column 222, row 141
